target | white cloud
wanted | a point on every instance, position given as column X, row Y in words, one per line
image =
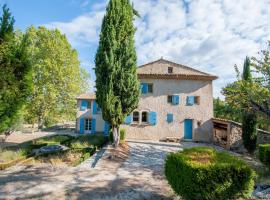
column 208, row 35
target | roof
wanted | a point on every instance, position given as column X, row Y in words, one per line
column 159, row 70
column 87, row 96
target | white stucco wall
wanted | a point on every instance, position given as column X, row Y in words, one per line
column 157, row 101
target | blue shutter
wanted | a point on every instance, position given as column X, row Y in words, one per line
column 144, row 88
column 169, row 117
column 190, row 100
column 152, row 120
column 175, row 99
column 94, row 107
column 106, row 128
column 93, row 126
column 81, row 125
column 84, row 105
column 128, row 119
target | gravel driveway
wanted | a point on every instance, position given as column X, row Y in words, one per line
column 139, row 177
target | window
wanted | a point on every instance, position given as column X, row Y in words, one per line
column 150, row 87
column 197, row 100
column 87, row 125
column 170, row 70
column 169, row 99
column 146, row 88
column 136, row 117
column 144, row 117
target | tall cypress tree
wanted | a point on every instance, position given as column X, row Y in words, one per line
column 249, row 118
column 15, row 80
column 116, row 79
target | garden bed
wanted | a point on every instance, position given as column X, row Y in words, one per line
column 77, row 150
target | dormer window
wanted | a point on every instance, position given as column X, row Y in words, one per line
column 170, row 70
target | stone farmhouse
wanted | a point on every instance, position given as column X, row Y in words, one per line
column 176, row 102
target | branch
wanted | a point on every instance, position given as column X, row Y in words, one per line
column 263, row 108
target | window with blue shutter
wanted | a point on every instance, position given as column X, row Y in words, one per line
column 81, row 125
column 175, row 99
column 106, row 128
column 144, row 88
column 94, row 107
column 128, row 119
column 152, row 120
column 84, row 105
column 93, row 126
column 190, row 100
column 169, row 117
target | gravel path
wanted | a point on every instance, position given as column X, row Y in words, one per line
column 139, row 177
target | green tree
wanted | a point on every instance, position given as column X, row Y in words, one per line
column 6, row 24
column 56, row 76
column 116, row 79
column 15, row 71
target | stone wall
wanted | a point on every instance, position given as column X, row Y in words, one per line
column 234, row 136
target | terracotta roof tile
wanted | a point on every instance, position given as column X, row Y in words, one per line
column 87, row 96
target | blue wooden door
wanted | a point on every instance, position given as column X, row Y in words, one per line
column 188, row 129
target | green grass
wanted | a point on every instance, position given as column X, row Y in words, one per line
column 57, row 139
column 9, row 155
column 90, row 140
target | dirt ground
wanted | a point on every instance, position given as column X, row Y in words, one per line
column 140, row 176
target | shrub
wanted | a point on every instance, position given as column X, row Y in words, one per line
column 91, row 140
column 264, row 154
column 122, row 134
column 9, row 155
column 249, row 131
column 79, row 145
column 56, row 139
column 203, row 173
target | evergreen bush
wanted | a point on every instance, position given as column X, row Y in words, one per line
column 202, row 173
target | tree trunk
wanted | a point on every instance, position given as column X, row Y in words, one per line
column 116, row 136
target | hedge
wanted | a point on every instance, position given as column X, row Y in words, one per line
column 203, row 173
column 264, row 154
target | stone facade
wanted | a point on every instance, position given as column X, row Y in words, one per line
column 167, row 80
column 201, row 114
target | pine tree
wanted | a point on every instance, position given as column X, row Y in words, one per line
column 116, row 79
column 249, row 118
column 15, row 82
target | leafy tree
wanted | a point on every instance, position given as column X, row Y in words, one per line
column 117, row 83
column 15, row 80
column 56, row 76
column 224, row 110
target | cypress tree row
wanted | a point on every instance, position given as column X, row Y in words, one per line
column 249, row 118
column 116, row 79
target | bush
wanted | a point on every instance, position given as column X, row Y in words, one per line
column 264, row 154
column 122, row 134
column 56, row 139
column 249, row 131
column 111, row 137
column 203, row 173
column 91, row 140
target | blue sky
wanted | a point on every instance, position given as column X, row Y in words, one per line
column 209, row 35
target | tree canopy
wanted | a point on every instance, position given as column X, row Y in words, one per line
column 57, row 77
column 15, row 80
